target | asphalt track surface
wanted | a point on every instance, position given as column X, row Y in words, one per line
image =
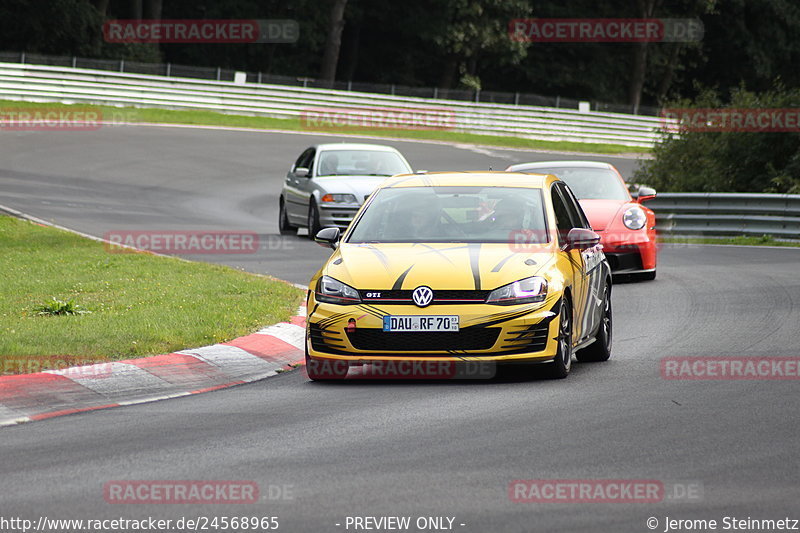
column 411, row 448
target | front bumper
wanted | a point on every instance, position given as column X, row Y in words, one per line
column 487, row 333
column 629, row 253
column 332, row 215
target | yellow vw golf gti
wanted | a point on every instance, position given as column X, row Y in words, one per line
column 459, row 268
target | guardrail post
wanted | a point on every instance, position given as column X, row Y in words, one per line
column 22, row 57
column 516, row 98
column 122, row 65
column 393, row 89
column 169, row 69
column 259, row 77
column 349, row 85
column 558, row 101
column 477, row 95
column 435, row 93
column 74, row 61
column 219, row 73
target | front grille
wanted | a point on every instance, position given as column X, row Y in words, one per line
column 466, row 339
column 528, row 339
column 620, row 262
column 325, row 340
column 439, row 297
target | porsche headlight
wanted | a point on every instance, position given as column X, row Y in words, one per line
column 634, row 218
column 524, row 291
column 333, row 291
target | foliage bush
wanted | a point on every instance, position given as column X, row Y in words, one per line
column 702, row 161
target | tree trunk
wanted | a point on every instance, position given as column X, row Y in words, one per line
column 637, row 78
column 135, row 9
column 448, row 75
column 666, row 80
column 331, row 56
column 101, row 6
column 647, row 9
column 351, row 51
column 152, row 9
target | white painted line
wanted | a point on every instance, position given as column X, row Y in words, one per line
column 115, row 379
column 9, row 417
column 288, row 333
column 156, row 398
column 234, row 362
column 14, row 421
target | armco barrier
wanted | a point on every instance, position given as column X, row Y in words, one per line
column 42, row 83
column 728, row 214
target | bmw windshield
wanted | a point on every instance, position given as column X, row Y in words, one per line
column 360, row 163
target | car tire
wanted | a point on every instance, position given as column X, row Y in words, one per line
column 313, row 220
column 561, row 365
column 284, row 227
column 600, row 349
column 325, row 370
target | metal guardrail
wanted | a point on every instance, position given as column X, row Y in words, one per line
column 224, row 74
column 726, row 214
column 43, row 83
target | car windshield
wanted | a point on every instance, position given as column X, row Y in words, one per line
column 452, row 214
column 589, row 183
column 360, row 163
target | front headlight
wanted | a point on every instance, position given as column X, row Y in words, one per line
column 634, row 218
column 333, row 291
column 339, row 199
column 524, row 291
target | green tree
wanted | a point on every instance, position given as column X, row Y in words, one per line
column 728, row 161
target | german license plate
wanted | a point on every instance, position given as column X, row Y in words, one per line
column 420, row 323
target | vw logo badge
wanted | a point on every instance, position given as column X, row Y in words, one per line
column 422, row 296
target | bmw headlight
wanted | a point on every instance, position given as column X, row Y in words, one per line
column 524, row 291
column 634, row 218
column 339, row 199
column 333, row 291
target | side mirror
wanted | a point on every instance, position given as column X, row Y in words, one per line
column 328, row 237
column 646, row 193
column 581, row 239
column 301, row 172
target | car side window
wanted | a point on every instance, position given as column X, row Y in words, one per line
column 563, row 219
column 577, row 215
column 305, row 160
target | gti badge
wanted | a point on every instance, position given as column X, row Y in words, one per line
column 422, row 296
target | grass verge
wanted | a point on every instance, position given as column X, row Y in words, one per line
column 126, row 115
column 128, row 304
column 764, row 240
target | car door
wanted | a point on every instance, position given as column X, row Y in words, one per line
column 594, row 275
column 565, row 221
column 295, row 189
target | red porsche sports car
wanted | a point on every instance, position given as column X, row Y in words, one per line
column 627, row 228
